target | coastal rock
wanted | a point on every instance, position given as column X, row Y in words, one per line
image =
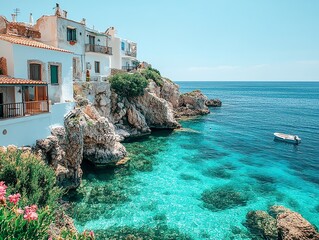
column 213, row 103
column 170, row 92
column 157, row 111
column 100, row 142
column 262, row 225
column 292, row 226
column 137, row 119
column 86, row 135
column 192, row 104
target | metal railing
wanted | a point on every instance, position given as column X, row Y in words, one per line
column 128, row 68
column 98, row 49
column 130, row 53
column 13, row 110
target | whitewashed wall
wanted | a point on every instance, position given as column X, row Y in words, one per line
column 25, row 131
column 6, row 50
column 57, row 93
column 104, row 59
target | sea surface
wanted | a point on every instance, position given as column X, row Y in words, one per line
column 201, row 181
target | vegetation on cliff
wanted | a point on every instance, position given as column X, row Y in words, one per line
column 133, row 84
column 29, row 198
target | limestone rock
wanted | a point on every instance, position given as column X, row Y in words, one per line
column 192, row 104
column 213, row 103
column 170, row 92
column 261, row 224
column 292, row 226
column 137, row 120
column 157, row 111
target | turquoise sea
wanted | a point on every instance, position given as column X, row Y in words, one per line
column 200, row 182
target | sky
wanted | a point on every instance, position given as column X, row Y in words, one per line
column 205, row 39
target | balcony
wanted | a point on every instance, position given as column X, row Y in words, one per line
column 129, row 68
column 98, row 49
column 20, row 109
column 130, row 53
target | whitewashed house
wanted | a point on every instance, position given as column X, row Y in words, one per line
column 60, row 32
column 124, row 51
column 97, row 55
column 36, row 87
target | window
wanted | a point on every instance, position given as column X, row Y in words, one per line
column 35, row 71
column 71, row 34
column 97, row 67
column 123, row 46
column 54, row 74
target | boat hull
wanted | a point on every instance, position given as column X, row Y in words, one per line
column 287, row 138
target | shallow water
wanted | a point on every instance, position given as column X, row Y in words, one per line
column 229, row 152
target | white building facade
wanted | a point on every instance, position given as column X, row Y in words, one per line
column 36, row 87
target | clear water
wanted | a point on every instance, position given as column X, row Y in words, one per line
column 231, row 148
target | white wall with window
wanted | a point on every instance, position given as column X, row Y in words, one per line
column 56, row 70
column 98, row 65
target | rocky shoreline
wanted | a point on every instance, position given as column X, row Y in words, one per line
column 93, row 131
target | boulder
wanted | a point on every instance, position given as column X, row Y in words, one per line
column 292, row 226
column 262, row 225
column 213, row 103
column 192, row 104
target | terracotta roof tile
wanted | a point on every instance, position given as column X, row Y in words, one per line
column 29, row 42
column 6, row 80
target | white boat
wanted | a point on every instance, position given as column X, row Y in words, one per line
column 287, row 138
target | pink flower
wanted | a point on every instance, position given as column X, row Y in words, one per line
column 30, row 213
column 50, row 238
column 14, row 198
column 92, row 234
column 3, row 188
column 19, row 211
column 31, row 216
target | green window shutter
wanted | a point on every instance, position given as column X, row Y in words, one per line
column 54, row 74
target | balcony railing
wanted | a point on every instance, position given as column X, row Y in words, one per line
column 130, row 53
column 98, row 49
column 13, row 110
column 129, row 68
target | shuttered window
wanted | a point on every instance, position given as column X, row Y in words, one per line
column 54, row 74
column 35, row 71
column 97, row 67
column 71, row 34
column 123, row 46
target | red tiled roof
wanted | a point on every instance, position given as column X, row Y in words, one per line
column 6, row 80
column 29, row 42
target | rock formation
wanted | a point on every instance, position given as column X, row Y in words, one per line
column 86, row 135
column 213, row 103
column 284, row 224
column 292, row 226
column 192, row 104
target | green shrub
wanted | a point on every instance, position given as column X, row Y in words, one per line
column 153, row 74
column 128, row 85
column 30, row 176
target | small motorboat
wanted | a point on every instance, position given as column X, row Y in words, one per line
column 287, row 138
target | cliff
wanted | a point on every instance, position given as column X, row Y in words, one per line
column 102, row 119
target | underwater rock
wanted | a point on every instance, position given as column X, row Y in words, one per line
column 261, row 224
column 213, row 103
column 222, row 198
column 159, row 232
column 292, row 226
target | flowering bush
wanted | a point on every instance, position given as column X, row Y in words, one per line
column 19, row 223
column 29, row 198
column 27, row 174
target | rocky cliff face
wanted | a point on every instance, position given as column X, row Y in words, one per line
column 86, row 135
column 156, row 108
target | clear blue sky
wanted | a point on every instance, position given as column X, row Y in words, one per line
column 206, row 39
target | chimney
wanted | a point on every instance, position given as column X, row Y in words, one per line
column 31, row 20
column 57, row 10
column 13, row 17
column 65, row 14
column 83, row 21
